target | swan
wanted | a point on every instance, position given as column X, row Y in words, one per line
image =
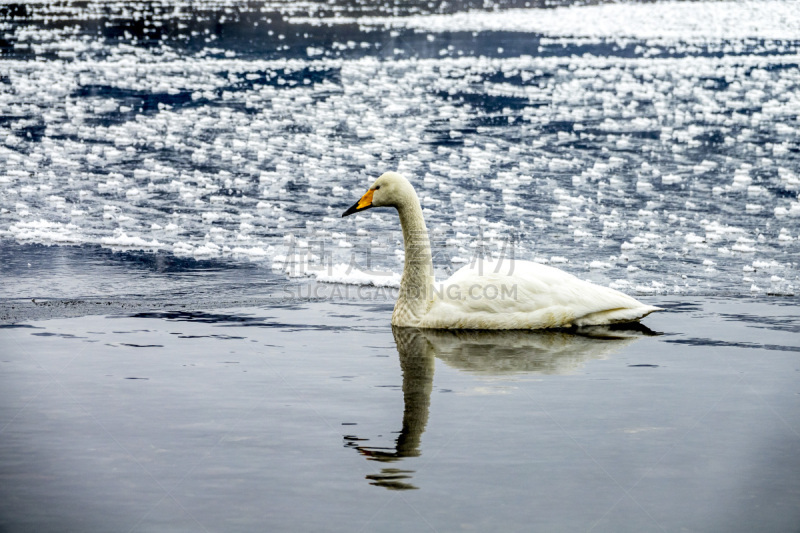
column 481, row 296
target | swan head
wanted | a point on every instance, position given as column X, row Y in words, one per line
column 390, row 190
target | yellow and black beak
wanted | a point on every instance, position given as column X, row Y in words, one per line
column 364, row 203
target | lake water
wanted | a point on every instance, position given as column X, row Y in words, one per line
column 193, row 339
column 309, row 417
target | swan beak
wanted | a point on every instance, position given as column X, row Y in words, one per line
column 364, row 203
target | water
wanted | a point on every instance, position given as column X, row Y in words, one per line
column 320, row 417
column 648, row 151
column 174, row 354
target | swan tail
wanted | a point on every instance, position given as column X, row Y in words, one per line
column 615, row 316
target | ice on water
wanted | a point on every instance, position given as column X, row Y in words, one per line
column 653, row 152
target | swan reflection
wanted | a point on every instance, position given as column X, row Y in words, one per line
column 524, row 351
column 485, row 352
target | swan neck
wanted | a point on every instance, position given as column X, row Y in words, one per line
column 416, row 285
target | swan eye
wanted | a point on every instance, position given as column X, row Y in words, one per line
column 378, row 187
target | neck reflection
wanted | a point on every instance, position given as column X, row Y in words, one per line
column 416, row 362
column 486, row 353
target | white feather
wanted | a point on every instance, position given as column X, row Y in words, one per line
column 527, row 296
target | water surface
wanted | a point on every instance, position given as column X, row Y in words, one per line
column 170, row 196
column 320, row 417
column 650, row 147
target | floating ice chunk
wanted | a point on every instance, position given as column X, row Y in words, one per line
column 182, row 249
column 780, row 149
column 743, row 247
column 123, row 140
column 109, row 186
column 766, row 265
column 599, row 265
column 250, row 252
column 620, row 284
column 792, row 211
column 122, row 240
column 46, row 232
column 560, row 165
column 789, row 179
column 208, row 249
column 350, row 275
column 741, row 180
column 395, row 109
column 704, row 167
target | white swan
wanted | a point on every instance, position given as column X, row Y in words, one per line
column 528, row 296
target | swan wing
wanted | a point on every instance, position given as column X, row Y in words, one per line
column 525, row 295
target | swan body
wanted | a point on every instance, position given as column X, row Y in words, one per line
column 533, row 296
column 506, row 294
